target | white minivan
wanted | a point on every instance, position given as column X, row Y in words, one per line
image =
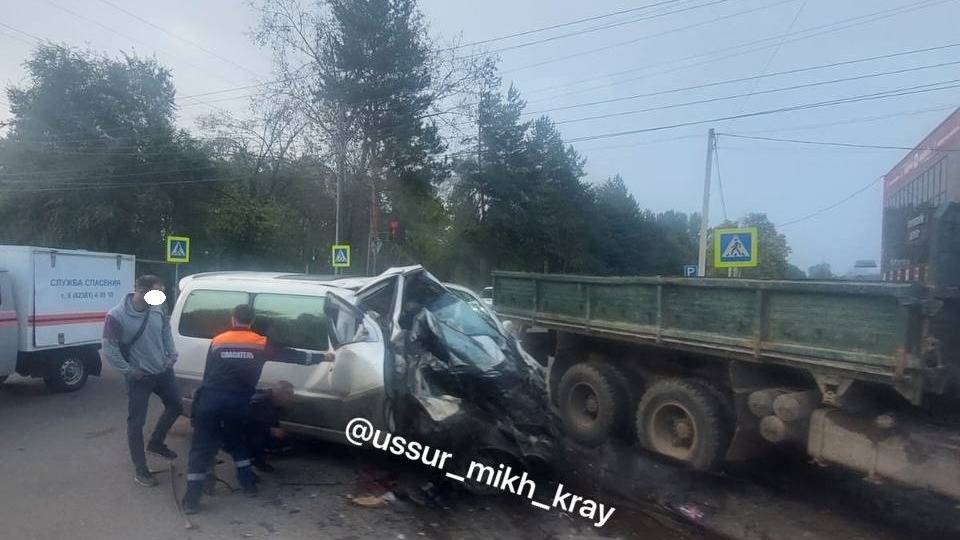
column 291, row 310
column 410, row 355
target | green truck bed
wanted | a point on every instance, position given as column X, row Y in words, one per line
column 860, row 330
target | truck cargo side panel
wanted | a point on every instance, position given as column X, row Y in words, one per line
column 564, row 299
column 725, row 312
column 825, row 321
column 517, row 294
column 633, row 305
column 869, row 331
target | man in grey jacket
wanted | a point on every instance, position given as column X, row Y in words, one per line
column 137, row 342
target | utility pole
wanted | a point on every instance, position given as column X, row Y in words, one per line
column 341, row 169
column 705, row 211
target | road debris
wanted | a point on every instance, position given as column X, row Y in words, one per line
column 369, row 501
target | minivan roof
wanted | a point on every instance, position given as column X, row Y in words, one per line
column 284, row 281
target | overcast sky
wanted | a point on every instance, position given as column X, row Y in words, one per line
column 695, row 45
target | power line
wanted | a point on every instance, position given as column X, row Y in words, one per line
column 650, row 36
column 750, row 94
column 18, row 38
column 840, row 144
column 126, row 185
column 918, row 89
column 603, row 27
column 730, row 81
column 17, row 30
column 854, row 99
column 776, row 50
column 832, row 206
column 642, row 143
column 857, row 120
column 126, row 36
column 555, row 26
column 181, row 38
column 818, row 30
column 110, row 177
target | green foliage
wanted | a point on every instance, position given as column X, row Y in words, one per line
column 820, row 271
column 794, row 272
column 519, row 202
column 84, row 129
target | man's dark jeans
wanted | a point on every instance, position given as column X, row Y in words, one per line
column 163, row 385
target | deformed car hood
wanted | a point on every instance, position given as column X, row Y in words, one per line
column 468, row 391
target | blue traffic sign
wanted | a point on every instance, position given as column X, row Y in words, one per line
column 735, row 247
column 340, row 256
column 178, row 249
column 689, row 270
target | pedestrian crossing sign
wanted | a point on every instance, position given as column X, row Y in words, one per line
column 178, row 249
column 735, row 248
column 340, row 256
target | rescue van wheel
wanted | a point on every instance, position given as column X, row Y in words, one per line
column 592, row 403
column 683, row 420
column 66, row 372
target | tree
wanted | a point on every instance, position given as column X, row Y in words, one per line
column 620, row 229
column 93, row 160
column 794, row 272
column 773, row 248
column 820, row 271
column 555, row 200
column 489, row 195
column 370, row 82
column 673, row 241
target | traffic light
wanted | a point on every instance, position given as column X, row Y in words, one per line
column 394, row 229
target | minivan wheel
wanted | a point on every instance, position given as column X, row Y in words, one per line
column 66, row 373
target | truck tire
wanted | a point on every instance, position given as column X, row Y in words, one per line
column 627, row 390
column 592, row 402
column 684, row 420
column 66, row 372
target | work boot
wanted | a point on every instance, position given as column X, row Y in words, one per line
column 160, row 449
column 144, row 478
column 248, row 481
column 191, row 499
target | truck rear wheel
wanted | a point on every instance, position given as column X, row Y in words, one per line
column 593, row 402
column 66, row 372
column 685, row 421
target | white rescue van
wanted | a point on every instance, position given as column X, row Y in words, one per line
column 52, row 307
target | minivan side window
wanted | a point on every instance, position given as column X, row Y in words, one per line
column 206, row 313
column 291, row 320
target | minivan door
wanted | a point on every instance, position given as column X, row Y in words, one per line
column 359, row 349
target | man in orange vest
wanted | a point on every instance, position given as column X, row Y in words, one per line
column 234, row 363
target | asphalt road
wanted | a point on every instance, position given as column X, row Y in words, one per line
column 64, row 473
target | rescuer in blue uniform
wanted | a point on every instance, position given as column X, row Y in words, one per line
column 234, row 363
